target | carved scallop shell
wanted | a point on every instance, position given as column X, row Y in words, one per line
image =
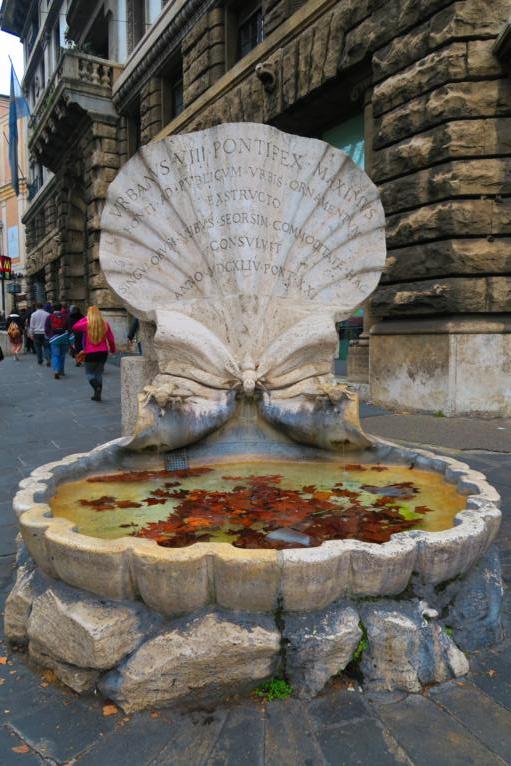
column 244, row 228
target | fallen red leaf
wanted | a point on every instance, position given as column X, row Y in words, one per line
column 21, row 749
column 110, row 710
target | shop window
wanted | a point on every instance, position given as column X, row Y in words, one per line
column 348, row 135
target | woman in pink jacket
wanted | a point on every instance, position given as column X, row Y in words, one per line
column 98, row 340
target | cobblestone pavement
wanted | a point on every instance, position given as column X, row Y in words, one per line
column 465, row 723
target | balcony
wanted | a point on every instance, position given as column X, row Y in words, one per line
column 81, row 86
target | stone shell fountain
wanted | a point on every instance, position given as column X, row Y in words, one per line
column 243, row 245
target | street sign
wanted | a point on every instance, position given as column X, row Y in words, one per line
column 5, row 267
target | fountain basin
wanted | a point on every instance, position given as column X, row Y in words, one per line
column 175, row 581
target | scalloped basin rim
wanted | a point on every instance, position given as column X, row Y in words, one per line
column 180, row 580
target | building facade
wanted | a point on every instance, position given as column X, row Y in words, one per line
column 12, row 209
column 418, row 90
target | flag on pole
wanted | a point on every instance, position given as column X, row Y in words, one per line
column 18, row 108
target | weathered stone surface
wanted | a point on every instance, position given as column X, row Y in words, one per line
column 465, row 178
column 444, row 296
column 28, row 586
column 452, row 101
column 386, row 22
column 445, row 372
column 84, row 631
column 78, row 679
column 449, row 258
column 455, row 62
column 459, row 21
column 200, row 659
column 319, row 645
column 404, row 650
column 304, row 181
column 453, row 218
column 475, row 615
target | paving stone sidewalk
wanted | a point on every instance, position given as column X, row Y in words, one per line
column 466, row 723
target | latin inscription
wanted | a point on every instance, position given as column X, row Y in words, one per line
column 236, row 209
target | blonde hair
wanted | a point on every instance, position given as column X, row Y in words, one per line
column 96, row 326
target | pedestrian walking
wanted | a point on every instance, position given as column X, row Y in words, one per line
column 57, row 332
column 15, row 333
column 38, row 335
column 76, row 337
column 98, row 341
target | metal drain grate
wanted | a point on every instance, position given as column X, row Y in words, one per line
column 177, row 460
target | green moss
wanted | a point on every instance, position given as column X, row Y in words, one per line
column 276, row 689
column 448, row 630
column 363, row 644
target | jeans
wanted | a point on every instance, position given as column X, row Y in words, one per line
column 42, row 347
column 58, row 356
column 94, row 372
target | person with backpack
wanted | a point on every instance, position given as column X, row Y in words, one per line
column 15, row 333
column 98, row 340
column 57, row 333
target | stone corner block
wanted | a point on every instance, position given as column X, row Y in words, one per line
column 80, row 630
column 319, row 645
column 197, row 659
column 405, row 650
column 475, row 613
column 30, row 583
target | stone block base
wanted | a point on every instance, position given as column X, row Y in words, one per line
column 136, row 373
column 457, row 367
column 141, row 659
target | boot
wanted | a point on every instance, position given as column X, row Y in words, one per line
column 96, row 397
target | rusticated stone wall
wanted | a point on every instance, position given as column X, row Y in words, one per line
column 442, row 155
column 150, row 109
column 63, row 228
column 203, row 50
column 441, row 132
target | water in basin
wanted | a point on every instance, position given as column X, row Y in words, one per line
column 273, row 504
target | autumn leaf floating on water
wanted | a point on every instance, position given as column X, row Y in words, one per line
column 249, row 508
column 249, row 512
column 108, row 478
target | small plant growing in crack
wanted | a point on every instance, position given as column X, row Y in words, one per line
column 276, row 689
column 363, row 644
